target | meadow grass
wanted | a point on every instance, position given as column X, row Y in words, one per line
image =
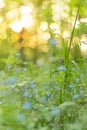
column 48, row 95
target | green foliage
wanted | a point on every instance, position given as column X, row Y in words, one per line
column 44, row 90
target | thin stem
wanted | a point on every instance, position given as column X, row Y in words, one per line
column 67, row 76
column 72, row 34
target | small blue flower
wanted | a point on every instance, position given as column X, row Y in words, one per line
column 48, row 94
column 77, row 79
column 11, row 80
column 21, row 117
column 26, row 94
column 62, row 68
column 55, row 111
column 71, row 86
column 73, row 69
column 33, row 85
column 18, row 54
column 9, row 66
column 44, row 98
column 52, row 41
column 82, row 75
column 76, row 96
column 27, row 105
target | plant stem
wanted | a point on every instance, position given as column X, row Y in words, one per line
column 72, row 34
column 67, row 63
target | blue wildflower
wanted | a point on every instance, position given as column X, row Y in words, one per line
column 52, row 41
column 62, row 68
column 27, row 105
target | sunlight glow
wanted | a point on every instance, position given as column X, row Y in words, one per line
column 44, row 26
column 13, row 14
column 2, row 4
column 83, row 47
column 16, row 26
column 59, row 10
column 24, row 21
column 46, row 36
column 66, row 34
column 55, row 27
column 27, row 21
column 1, row 19
column 77, row 24
column 45, row 48
column 25, row 10
column 83, row 20
column 84, row 44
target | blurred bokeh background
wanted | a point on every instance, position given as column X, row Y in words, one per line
column 33, row 29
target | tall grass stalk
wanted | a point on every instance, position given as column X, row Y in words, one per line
column 66, row 52
column 67, row 60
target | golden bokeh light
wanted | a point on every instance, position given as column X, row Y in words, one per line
column 22, row 21
column 83, row 47
column 2, row 4
column 14, row 37
column 21, row 18
column 1, row 19
column 66, row 34
column 45, row 48
column 44, row 26
column 16, row 26
column 46, row 35
column 84, row 44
